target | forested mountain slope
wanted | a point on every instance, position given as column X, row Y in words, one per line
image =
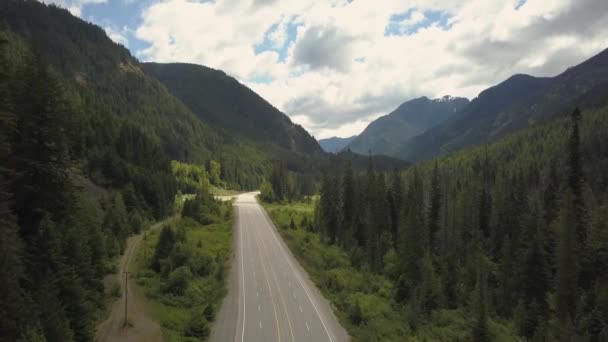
column 495, row 241
column 517, row 103
column 111, row 91
column 229, row 106
column 386, row 134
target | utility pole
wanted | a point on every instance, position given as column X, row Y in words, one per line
column 126, row 297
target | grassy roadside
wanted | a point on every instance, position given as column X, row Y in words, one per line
column 217, row 191
column 363, row 301
column 182, row 269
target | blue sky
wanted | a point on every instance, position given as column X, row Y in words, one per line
column 122, row 16
column 335, row 65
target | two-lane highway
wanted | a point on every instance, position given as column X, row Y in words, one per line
column 270, row 298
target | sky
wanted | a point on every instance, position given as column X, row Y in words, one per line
column 334, row 66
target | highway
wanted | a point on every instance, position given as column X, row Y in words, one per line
column 270, row 296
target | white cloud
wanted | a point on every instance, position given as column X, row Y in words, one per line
column 74, row 6
column 320, row 85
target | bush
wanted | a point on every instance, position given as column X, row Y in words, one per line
column 209, row 313
column 203, row 208
column 178, row 281
column 197, row 326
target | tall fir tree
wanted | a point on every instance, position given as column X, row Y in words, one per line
column 480, row 331
column 434, row 208
column 567, row 269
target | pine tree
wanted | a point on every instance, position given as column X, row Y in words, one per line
column 480, row 329
column 506, row 282
column 12, row 302
column 164, row 246
column 567, row 268
column 413, row 239
column 395, row 200
column 435, row 205
column 41, row 150
column 535, row 284
column 348, row 204
column 329, row 209
column 575, row 179
column 116, row 219
column 380, row 217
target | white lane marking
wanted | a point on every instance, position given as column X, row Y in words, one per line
column 300, row 306
column 307, row 328
column 274, row 234
column 257, row 293
column 243, row 273
column 258, row 307
column 257, row 238
column 260, row 324
column 274, row 307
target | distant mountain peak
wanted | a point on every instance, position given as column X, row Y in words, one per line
column 411, row 118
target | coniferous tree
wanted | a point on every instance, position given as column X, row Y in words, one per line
column 395, row 200
column 480, row 329
column 348, row 210
column 575, row 179
column 535, row 285
column 328, row 206
column 412, row 239
column 567, row 269
column 41, row 150
column 435, row 205
column 12, row 302
column 164, row 246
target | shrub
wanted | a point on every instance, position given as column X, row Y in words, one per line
column 197, row 326
column 178, row 281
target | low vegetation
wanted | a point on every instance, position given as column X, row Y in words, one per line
column 183, row 266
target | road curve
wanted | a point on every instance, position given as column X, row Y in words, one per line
column 270, row 296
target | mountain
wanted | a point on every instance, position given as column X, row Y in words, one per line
column 519, row 102
column 335, row 144
column 389, row 132
column 232, row 108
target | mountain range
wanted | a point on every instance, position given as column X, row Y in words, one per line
column 386, row 134
column 514, row 104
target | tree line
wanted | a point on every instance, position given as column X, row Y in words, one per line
column 514, row 231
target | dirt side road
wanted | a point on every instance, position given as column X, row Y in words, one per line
column 142, row 327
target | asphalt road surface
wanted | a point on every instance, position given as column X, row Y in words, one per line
column 270, row 297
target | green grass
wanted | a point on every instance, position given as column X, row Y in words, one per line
column 217, row 191
column 362, row 301
column 211, row 244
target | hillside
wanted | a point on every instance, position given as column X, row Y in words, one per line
column 111, row 91
column 387, row 133
column 517, row 103
column 335, row 144
column 232, row 108
column 518, row 225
